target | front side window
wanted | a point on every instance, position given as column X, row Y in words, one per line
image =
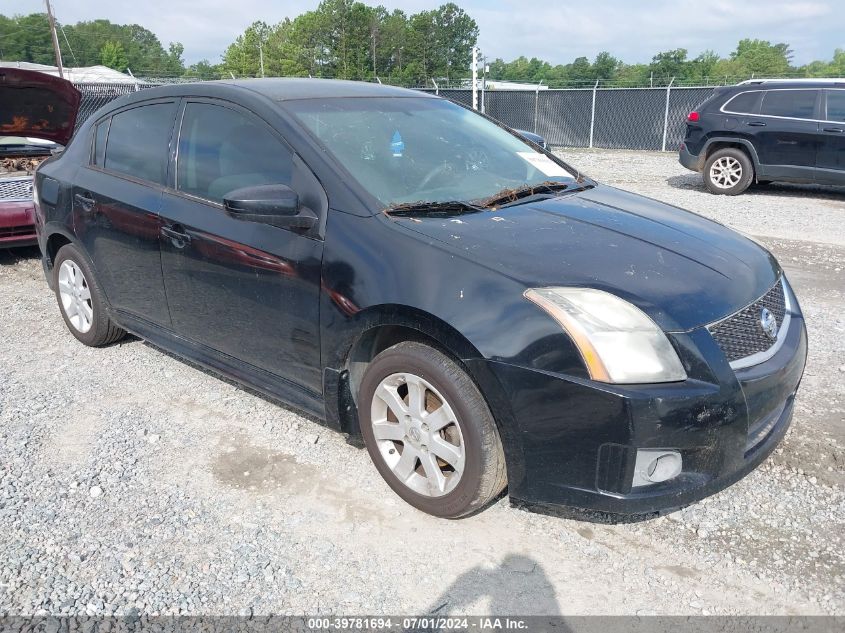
column 418, row 149
column 743, row 103
column 796, row 104
column 138, row 142
column 221, row 150
column 835, row 105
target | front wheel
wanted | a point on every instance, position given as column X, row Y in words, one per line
column 728, row 171
column 81, row 302
column 430, row 432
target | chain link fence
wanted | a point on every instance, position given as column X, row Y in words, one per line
column 611, row 118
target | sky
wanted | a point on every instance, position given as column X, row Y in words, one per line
column 557, row 31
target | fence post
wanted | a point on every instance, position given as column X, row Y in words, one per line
column 537, row 104
column 666, row 113
column 436, row 87
column 593, row 113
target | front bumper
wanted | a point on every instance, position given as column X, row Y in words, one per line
column 573, row 442
column 17, row 224
column 689, row 160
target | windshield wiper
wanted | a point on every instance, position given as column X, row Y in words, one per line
column 507, row 196
column 447, row 208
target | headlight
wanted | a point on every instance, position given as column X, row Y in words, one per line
column 618, row 342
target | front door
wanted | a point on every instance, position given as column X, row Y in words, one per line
column 116, row 200
column 248, row 291
column 831, row 161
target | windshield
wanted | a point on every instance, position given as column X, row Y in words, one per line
column 21, row 144
column 407, row 150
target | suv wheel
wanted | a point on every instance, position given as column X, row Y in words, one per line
column 728, row 171
column 429, row 431
column 81, row 301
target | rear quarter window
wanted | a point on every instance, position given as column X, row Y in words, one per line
column 100, row 135
column 796, row 104
column 743, row 103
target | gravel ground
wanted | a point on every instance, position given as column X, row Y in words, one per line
column 133, row 481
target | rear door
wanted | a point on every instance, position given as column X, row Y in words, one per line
column 116, row 201
column 786, row 132
column 249, row 291
column 831, row 161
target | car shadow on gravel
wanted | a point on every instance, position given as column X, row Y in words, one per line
column 694, row 182
column 518, row 581
column 12, row 256
column 588, row 516
column 234, row 383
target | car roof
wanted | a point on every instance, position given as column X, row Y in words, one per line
column 769, row 84
column 282, row 89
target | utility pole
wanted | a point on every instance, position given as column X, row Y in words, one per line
column 484, row 69
column 56, row 48
column 474, row 78
column 261, row 57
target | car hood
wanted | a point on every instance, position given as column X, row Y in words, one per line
column 681, row 269
column 36, row 104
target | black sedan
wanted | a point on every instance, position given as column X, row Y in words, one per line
column 414, row 274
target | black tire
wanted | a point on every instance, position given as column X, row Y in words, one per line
column 103, row 331
column 736, row 156
column 484, row 475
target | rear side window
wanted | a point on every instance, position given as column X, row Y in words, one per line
column 797, row 104
column 100, row 142
column 138, row 142
column 743, row 103
column 835, row 105
column 221, row 150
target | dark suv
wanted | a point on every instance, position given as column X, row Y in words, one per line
column 766, row 130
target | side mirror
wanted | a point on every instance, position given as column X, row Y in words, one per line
column 277, row 205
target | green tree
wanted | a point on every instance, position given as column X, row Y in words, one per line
column 204, row 70
column 761, row 57
column 113, row 56
column 605, row 66
column 670, row 64
column 26, row 38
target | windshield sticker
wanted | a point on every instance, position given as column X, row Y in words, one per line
column 397, row 146
column 543, row 163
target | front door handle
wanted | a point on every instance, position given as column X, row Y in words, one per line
column 177, row 234
column 85, row 202
column 756, row 124
column 835, row 130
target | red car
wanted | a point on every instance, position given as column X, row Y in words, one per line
column 50, row 104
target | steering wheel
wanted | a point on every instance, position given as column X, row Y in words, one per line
column 438, row 170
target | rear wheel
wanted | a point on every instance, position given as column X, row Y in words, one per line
column 429, row 431
column 81, row 301
column 728, row 171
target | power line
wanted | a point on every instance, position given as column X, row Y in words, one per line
column 75, row 61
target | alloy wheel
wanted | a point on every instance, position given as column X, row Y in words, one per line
column 726, row 172
column 76, row 296
column 418, row 435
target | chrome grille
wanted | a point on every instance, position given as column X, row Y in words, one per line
column 16, row 189
column 741, row 334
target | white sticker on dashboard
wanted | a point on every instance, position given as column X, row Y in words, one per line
column 543, row 163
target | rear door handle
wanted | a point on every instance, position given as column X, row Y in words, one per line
column 756, row 124
column 835, row 130
column 85, row 202
column 177, row 234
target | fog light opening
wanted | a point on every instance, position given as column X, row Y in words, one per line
column 654, row 466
